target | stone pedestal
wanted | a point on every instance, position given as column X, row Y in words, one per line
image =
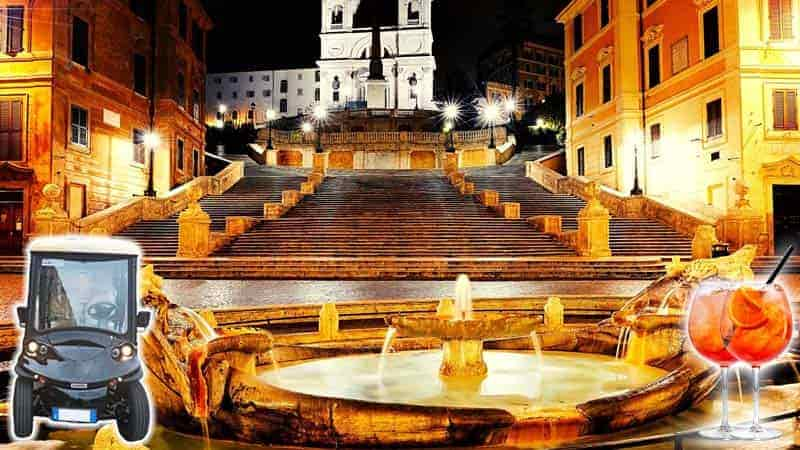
column 52, row 220
column 490, row 198
column 546, row 224
column 271, row 157
column 290, row 198
column 704, row 237
column 593, row 226
column 510, row 210
column 316, row 178
column 457, row 179
column 307, row 188
column 194, row 234
column 467, row 188
column 741, row 227
column 463, row 358
column 273, row 211
column 320, row 164
column 376, row 94
column 236, row 225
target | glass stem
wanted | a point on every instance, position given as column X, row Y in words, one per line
column 756, row 395
column 724, row 384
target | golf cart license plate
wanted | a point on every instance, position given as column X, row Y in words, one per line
column 75, row 415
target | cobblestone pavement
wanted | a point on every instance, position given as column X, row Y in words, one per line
column 238, row 293
column 11, row 292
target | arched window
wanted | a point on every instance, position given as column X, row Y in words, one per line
column 413, row 12
column 337, row 16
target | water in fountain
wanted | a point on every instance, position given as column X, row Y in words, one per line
column 537, row 348
column 463, row 298
column 622, row 341
column 663, row 308
column 197, row 357
column 387, row 347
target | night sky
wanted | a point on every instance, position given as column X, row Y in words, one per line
column 283, row 34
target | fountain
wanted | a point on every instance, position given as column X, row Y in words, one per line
column 460, row 377
column 463, row 334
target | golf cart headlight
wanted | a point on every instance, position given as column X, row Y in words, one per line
column 43, row 350
column 123, row 353
column 32, row 348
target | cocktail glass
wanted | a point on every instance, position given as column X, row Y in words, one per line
column 708, row 325
column 762, row 329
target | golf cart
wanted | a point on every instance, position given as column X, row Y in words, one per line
column 78, row 362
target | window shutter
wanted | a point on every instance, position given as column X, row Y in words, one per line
column 775, row 19
column 791, row 110
column 778, row 110
column 786, row 19
column 3, row 30
column 15, row 16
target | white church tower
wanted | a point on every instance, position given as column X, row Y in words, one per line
column 407, row 57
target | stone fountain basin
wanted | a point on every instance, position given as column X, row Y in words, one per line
column 483, row 326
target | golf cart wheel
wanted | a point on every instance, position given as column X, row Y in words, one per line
column 23, row 408
column 134, row 428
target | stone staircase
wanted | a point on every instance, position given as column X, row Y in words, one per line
column 403, row 214
column 629, row 236
column 245, row 198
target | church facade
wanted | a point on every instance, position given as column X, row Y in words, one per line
column 407, row 56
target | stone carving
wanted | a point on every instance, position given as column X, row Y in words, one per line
column 194, row 234
column 705, row 236
column 653, row 34
column 593, row 225
column 52, row 219
column 788, row 167
column 605, row 54
column 578, row 73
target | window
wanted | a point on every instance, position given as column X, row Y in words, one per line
column 715, row 156
column 179, row 154
column 142, row 8
column 196, row 163
column 581, row 162
column 577, row 32
column 299, row 92
column 528, row 84
column 527, row 67
column 316, row 76
column 316, row 95
column 605, row 13
column 219, row 95
column 197, row 40
column 139, row 154
column 336, row 96
column 140, row 74
column 251, row 114
column 217, row 80
column 80, row 41
column 235, row 94
column 10, row 130
column 780, row 19
column 196, row 104
column 251, row 94
column 654, row 66
column 784, row 107
column 234, row 115
column 710, row 32
column 680, row 55
column 250, row 78
column 579, row 100
column 284, row 86
column 413, row 12
column 15, row 20
column 650, row 2
column 180, row 96
column 655, row 140
column 714, row 118
column 233, row 79
column 606, row 74
column 182, row 20
column 608, row 151
column 266, row 93
column 300, row 77
column 284, row 105
column 79, row 126
column 337, row 16
column 265, row 78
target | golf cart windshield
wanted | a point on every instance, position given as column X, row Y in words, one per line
column 78, row 292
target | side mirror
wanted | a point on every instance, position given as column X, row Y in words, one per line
column 22, row 315
column 142, row 319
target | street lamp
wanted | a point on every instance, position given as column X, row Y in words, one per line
column 151, row 141
column 490, row 114
column 451, row 112
column 320, row 114
column 270, row 118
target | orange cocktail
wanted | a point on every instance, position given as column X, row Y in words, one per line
column 762, row 323
column 709, row 325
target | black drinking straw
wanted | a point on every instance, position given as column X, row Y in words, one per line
column 782, row 263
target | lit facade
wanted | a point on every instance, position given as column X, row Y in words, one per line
column 539, row 72
column 76, row 79
column 704, row 93
column 247, row 96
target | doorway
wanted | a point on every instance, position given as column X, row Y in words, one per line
column 12, row 210
column 786, row 201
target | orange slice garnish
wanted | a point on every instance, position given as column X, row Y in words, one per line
column 746, row 311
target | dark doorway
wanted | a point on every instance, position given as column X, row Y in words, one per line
column 11, row 221
column 786, row 201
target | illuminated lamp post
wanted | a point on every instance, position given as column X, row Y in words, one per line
column 491, row 114
column 151, row 141
column 451, row 113
column 320, row 114
column 511, row 110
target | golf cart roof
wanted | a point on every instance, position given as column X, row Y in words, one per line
column 85, row 245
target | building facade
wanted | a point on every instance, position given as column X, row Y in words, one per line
column 408, row 62
column 537, row 71
column 697, row 96
column 76, row 82
column 241, row 97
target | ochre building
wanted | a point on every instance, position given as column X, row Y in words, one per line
column 77, row 82
column 699, row 95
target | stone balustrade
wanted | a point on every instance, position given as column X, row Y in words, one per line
column 123, row 215
column 383, row 137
